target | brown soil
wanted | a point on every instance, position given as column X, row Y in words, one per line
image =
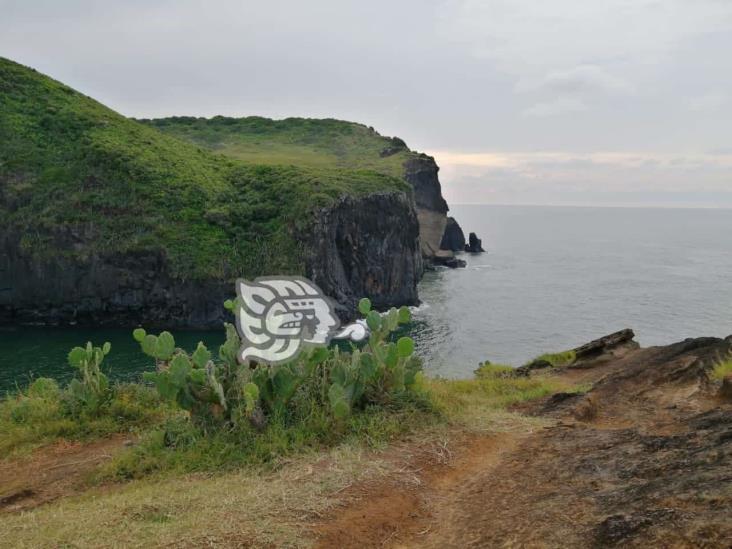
column 641, row 460
column 51, row 472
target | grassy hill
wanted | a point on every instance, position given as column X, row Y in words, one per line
column 79, row 179
column 317, row 143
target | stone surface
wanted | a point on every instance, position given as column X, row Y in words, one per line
column 446, row 258
column 421, row 173
column 606, row 344
column 349, row 252
column 366, row 247
column 474, row 245
column 725, row 391
column 453, row 238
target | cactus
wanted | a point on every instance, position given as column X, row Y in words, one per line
column 159, row 347
column 278, row 384
column 89, row 392
column 191, row 381
column 229, row 392
column 381, row 368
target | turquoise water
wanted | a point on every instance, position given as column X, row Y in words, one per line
column 551, row 278
column 29, row 353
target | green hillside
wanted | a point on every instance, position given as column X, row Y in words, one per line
column 316, row 143
column 72, row 170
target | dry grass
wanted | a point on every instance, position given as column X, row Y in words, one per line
column 481, row 405
column 236, row 509
column 258, row 507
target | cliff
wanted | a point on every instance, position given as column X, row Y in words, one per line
column 108, row 221
column 421, row 174
column 319, row 143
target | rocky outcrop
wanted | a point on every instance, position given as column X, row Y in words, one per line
column 607, row 346
column 474, row 245
column 102, row 290
column 453, row 238
column 446, row 258
column 642, row 457
column 349, row 251
column 366, row 247
column 420, row 172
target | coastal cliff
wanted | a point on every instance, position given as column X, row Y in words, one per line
column 348, row 252
column 105, row 220
column 421, row 173
column 318, row 143
column 353, row 252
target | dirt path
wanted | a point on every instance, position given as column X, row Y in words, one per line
column 642, row 459
column 51, row 472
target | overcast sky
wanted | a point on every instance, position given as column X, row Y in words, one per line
column 606, row 102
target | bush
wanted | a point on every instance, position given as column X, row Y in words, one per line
column 88, row 393
column 722, row 369
column 487, row 370
column 44, row 412
column 236, row 414
column 227, row 394
column 557, row 360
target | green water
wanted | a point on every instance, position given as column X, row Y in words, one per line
column 27, row 353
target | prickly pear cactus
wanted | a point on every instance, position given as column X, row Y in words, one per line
column 381, row 367
column 89, row 391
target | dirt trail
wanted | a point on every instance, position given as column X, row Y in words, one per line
column 53, row 471
column 643, row 459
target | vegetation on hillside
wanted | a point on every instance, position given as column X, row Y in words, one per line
column 325, row 143
column 201, row 411
column 75, row 172
column 210, row 412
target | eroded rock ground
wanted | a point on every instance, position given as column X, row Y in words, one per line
column 643, row 458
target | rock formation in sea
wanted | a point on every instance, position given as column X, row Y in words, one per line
column 474, row 245
column 453, row 238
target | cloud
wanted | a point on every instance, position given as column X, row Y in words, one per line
column 570, row 76
column 572, row 90
column 610, row 178
column 584, row 79
column 712, row 101
column 561, row 105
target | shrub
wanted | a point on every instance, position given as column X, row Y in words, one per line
column 722, row 369
column 557, row 360
column 227, row 393
column 90, row 392
column 488, row 370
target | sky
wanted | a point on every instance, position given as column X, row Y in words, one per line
column 574, row 102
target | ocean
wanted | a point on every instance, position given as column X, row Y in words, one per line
column 551, row 278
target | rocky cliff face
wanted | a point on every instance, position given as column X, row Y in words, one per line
column 421, row 172
column 366, row 246
column 104, row 290
column 453, row 238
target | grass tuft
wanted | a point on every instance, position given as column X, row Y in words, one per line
column 557, row 360
column 722, row 370
column 42, row 414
